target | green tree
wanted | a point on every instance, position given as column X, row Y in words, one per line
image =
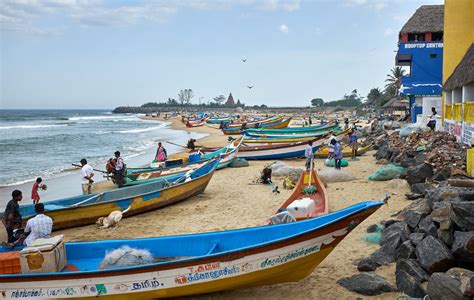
column 394, row 81
column 317, row 102
column 185, row 96
column 219, row 99
column 374, row 97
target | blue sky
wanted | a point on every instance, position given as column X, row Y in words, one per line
column 102, row 54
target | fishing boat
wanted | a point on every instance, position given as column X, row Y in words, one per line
column 194, row 264
column 291, row 150
column 310, row 192
column 251, row 123
column 196, row 123
column 86, row 209
column 281, row 123
column 292, row 130
column 286, row 139
column 323, row 152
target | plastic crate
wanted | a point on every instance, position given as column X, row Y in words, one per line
column 10, row 262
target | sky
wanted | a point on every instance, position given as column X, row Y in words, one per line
column 70, row 54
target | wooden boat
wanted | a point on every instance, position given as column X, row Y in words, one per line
column 195, row 263
column 255, row 147
column 282, row 123
column 294, row 150
column 271, row 141
column 86, row 209
column 320, row 197
column 196, row 123
column 323, row 152
column 291, row 130
column 249, row 123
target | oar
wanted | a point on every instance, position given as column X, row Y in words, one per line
column 88, row 200
column 311, row 172
column 79, row 166
column 176, row 144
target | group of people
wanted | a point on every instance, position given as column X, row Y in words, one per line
column 334, row 150
column 115, row 166
column 37, row 227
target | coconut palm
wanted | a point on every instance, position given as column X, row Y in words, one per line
column 394, row 81
column 374, row 96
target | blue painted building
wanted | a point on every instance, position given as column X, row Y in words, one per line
column 420, row 50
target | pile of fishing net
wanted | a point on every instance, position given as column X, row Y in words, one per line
column 281, row 169
column 310, row 190
column 333, row 175
column 387, row 172
column 126, row 257
column 332, row 163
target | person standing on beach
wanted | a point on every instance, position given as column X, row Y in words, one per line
column 308, row 153
column 353, row 143
column 119, row 169
column 331, row 147
column 161, row 154
column 337, row 154
column 432, row 122
column 34, row 190
column 12, row 217
column 86, row 177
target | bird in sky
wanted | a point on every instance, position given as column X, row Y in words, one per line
column 244, row 60
column 250, row 87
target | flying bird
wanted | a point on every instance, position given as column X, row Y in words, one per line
column 250, row 87
column 244, row 60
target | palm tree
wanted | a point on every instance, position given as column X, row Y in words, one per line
column 373, row 98
column 394, row 81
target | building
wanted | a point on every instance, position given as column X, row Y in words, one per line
column 420, row 48
column 230, row 101
column 395, row 106
column 458, row 69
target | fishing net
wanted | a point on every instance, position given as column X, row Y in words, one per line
column 333, row 175
column 310, row 190
column 125, row 257
column 372, row 237
column 332, row 163
column 281, row 169
column 386, row 173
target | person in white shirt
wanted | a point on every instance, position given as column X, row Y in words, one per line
column 432, row 122
column 308, row 153
column 331, row 147
column 86, row 177
column 39, row 227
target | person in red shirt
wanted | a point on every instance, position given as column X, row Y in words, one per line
column 34, row 191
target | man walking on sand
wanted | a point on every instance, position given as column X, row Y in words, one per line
column 308, row 153
column 86, row 177
column 12, row 217
column 337, row 154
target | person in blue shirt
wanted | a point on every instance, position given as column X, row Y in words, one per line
column 308, row 153
column 337, row 154
column 353, row 143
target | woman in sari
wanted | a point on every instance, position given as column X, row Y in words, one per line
column 160, row 153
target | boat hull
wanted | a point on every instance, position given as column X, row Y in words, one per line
column 289, row 258
column 279, row 153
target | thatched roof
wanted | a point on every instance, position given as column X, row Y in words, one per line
column 394, row 102
column 464, row 72
column 427, row 18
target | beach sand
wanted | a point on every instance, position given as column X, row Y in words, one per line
column 231, row 201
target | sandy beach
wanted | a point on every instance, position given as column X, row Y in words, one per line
column 231, row 201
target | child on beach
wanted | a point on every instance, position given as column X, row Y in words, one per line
column 34, row 191
column 337, row 153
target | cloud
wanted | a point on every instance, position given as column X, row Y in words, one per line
column 372, row 4
column 388, row 32
column 24, row 15
column 284, row 29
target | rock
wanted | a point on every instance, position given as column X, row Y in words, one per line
column 467, row 195
column 420, row 206
column 382, row 152
column 399, row 229
column 406, row 250
column 413, row 196
column 381, row 257
column 441, row 215
column 441, row 175
column 463, row 246
column 389, row 223
column 428, row 226
column 372, row 228
column 396, row 125
column 413, row 217
column 466, row 278
column 442, row 194
column 446, row 237
column 409, row 285
column 366, row 265
column 421, row 188
column 412, row 267
column 417, row 237
column 383, row 161
column 419, row 173
column 462, row 213
column 368, row 284
column 443, row 287
column 433, row 255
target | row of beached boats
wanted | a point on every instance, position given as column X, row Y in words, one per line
column 287, row 249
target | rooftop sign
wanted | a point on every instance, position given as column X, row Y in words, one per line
column 423, row 45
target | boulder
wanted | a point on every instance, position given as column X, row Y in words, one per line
column 442, row 287
column 441, row 216
column 381, row 257
column 367, row 264
column 413, row 217
column 417, row 237
column 446, row 236
column 406, row 250
column 413, row 196
column 433, row 255
column 421, row 188
column 399, row 229
column 466, row 195
column 462, row 213
column 389, row 223
column 442, row 175
column 382, row 152
column 463, row 246
column 419, row 173
column 372, row 228
column 443, row 193
column 466, row 278
column 420, row 206
column 428, row 226
column 412, row 267
column 407, row 284
column 368, row 284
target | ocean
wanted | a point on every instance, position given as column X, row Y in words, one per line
column 44, row 143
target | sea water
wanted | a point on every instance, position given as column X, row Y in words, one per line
column 44, row 143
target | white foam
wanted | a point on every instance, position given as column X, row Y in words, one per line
column 138, row 130
column 32, row 126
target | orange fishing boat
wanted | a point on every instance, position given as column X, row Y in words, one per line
column 308, row 200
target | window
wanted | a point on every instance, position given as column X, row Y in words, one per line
column 433, row 55
column 436, row 36
column 416, row 37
